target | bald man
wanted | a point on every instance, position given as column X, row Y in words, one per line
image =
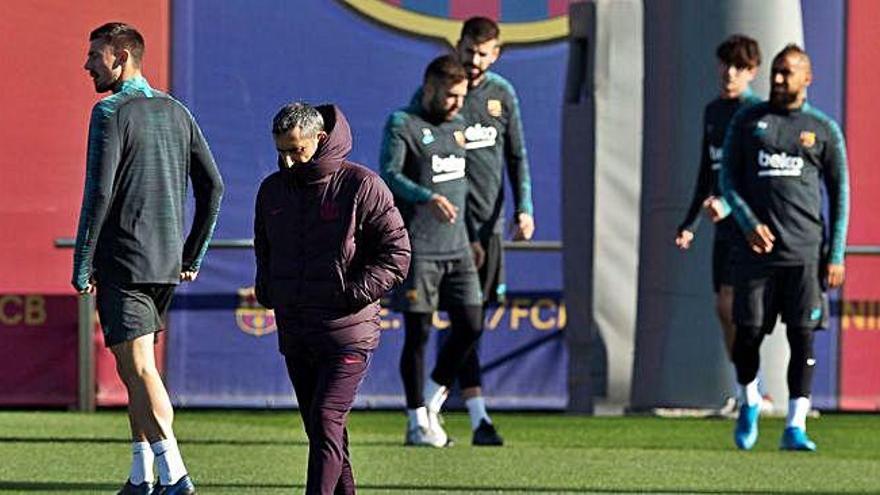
column 776, row 157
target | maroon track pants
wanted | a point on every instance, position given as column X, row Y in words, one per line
column 326, row 383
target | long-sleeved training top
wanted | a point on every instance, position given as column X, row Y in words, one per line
column 716, row 118
column 775, row 161
column 419, row 158
column 143, row 145
column 494, row 138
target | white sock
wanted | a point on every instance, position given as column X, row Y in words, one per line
column 797, row 412
column 476, row 407
column 749, row 393
column 435, row 395
column 141, row 463
column 417, row 417
column 169, row 464
column 761, row 388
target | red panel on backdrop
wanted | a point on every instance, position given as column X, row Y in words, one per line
column 46, row 100
column 38, row 346
column 860, row 331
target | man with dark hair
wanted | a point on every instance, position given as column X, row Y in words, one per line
column 130, row 247
column 494, row 139
column 423, row 161
column 738, row 61
column 329, row 243
column 777, row 155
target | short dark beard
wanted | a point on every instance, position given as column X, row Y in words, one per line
column 782, row 100
column 435, row 112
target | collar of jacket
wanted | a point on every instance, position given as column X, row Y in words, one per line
column 312, row 172
column 331, row 153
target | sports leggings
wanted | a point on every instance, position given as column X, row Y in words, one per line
column 747, row 357
column 465, row 329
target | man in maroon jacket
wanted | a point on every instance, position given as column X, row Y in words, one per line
column 329, row 243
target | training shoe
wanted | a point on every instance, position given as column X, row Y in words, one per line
column 485, row 435
column 145, row 488
column 728, row 409
column 767, row 407
column 184, row 486
column 435, row 424
column 419, row 436
column 746, row 432
column 794, row 438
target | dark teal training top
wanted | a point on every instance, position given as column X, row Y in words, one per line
column 421, row 157
column 716, row 117
column 775, row 162
column 143, row 146
column 494, row 139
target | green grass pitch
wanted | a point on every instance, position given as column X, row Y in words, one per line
column 264, row 452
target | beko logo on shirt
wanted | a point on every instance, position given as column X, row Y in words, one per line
column 715, row 155
column 480, row 137
column 779, row 165
column 447, row 168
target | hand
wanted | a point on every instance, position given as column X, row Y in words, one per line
column 836, row 275
column 188, row 276
column 761, row 239
column 89, row 289
column 715, row 208
column 684, row 238
column 443, row 209
column 523, row 227
column 478, row 253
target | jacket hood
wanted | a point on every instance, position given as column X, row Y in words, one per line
column 331, row 152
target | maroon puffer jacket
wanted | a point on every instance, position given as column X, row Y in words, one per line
column 329, row 244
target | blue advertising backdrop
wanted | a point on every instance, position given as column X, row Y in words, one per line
column 234, row 63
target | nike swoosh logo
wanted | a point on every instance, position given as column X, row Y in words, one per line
column 351, row 360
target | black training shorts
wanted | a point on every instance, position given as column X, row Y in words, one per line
column 438, row 284
column 762, row 292
column 127, row 312
column 722, row 264
column 492, row 271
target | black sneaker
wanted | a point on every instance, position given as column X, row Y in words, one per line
column 184, row 486
column 145, row 488
column 485, row 435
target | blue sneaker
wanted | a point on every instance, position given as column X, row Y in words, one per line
column 746, row 432
column 184, row 486
column 794, row 438
column 145, row 488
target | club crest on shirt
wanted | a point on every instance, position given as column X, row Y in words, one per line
column 427, row 136
column 251, row 317
column 808, row 139
column 494, row 108
column 459, row 138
